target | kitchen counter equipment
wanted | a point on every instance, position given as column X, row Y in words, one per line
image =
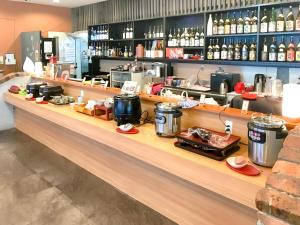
column 33, row 88
column 49, row 91
column 266, row 135
column 167, row 119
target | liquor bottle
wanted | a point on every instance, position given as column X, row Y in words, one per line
column 273, row 51
column 298, row 20
column 127, row 31
column 131, row 31
column 237, row 51
column 290, row 20
column 280, row 21
column 98, row 34
column 298, row 52
column 157, row 32
column 145, row 50
column 281, row 51
column 247, row 24
column 253, row 22
column 215, row 26
column 187, row 37
column 125, row 52
column 264, row 51
column 192, row 37
column 245, row 51
column 240, row 24
column 224, row 51
column 197, row 38
column 154, row 32
column 233, row 24
column 221, row 25
column 230, row 52
column 210, row 53
column 227, row 24
column 178, row 38
column 170, row 39
column 92, row 34
column 272, row 22
column 161, row 32
column 160, row 50
column 174, row 39
column 264, row 22
column 290, row 54
column 252, row 51
column 130, row 53
column 209, row 29
column 149, row 32
column 217, row 50
column 182, row 39
column 202, row 38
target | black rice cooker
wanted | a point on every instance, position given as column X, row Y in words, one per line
column 48, row 91
column 127, row 109
column 33, row 88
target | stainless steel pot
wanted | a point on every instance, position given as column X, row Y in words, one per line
column 266, row 135
column 167, row 119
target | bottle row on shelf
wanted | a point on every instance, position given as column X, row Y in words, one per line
column 99, row 33
column 187, row 37
column 281, row 53
column 128, row 31
column 232, row 51
column 155, row 32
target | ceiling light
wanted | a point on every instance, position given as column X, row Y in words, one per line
column 56, row 1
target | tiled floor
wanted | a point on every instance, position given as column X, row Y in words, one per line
column 39, row 187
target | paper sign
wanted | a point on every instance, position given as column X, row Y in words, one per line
column 245, row 105
column 202, row 99
column 129, row 87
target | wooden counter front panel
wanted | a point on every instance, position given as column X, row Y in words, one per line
column 173, row 197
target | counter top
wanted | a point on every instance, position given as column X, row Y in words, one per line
column 155, row 151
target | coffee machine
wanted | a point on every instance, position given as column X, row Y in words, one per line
column 259, row 83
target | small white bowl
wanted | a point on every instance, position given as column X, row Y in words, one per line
column 29, row 96
column 232, row 163
column 39, row 99
column 126, row 127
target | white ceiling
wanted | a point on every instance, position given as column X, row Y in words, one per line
column 62, row 3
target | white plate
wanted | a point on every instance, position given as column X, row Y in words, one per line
column 126, row 127
column 231, row 162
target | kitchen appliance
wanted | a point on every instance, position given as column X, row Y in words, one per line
column 259, row 83
column 48, row 91
column 167, row 119
column 127, row 109
column 266, row 135
column 218, row 77
column 33, row 88
column 157, row 70
column 223, row 87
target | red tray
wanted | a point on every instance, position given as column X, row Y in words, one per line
column 132, row 131
column 30, row 99
column 249, row 96
column 247, row 170
column 42, row 103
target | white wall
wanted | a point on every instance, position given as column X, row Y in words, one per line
column 6, row 110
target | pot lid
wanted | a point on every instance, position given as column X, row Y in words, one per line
column 268, row 121
column 166, row 106
column 126, row 96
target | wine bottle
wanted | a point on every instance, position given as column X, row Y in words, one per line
column 157, row 33
column 237, row 51
column 170, row 39
column 298, row 20
column 298, row 51
column 264, row 51
column 127, row 32
column 178, row 42
column 125, row 52
column 290, row 54
column 280, row 21
column 272, row 22
column 182, row 39
column 290, row 21
column 282, row 51
column 197, row 38
column 215, row 26
column 253, row 22
column 264, row 22
column 154, row 32
column 227, row 24
column 209, row 29
column 201, row 44
column 130, row 53
column 187, row 37
column 149, row 33
column 247, row 25
column 230, row 51
column 174, row 39
column 245, row 51
column 221, row 25
column 240, row 24
column 252, row 52
column 192, row 37
column 161, row 32
column 273, row 51
column 160, row 50
column 217, row 50
column 210, row 53
column 224, row 52
column 233, row 24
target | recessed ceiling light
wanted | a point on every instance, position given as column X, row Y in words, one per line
column 56, row 1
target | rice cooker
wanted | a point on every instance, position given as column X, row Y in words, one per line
column 167, row 119
column 266, row 135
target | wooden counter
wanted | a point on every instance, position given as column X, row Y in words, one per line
column 186, row 187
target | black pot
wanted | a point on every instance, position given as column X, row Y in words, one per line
column 33, row 88
column 127, row 109
column 49, row 91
